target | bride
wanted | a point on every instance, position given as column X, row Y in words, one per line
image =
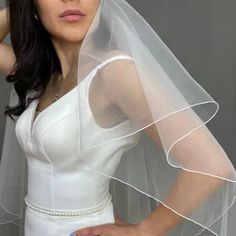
column 110, row 125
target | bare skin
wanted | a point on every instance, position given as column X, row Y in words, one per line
column 67, row 40
column 7, row 56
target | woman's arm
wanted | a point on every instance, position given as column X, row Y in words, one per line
column 7, row 56
column 4, row 24
column 117, row 81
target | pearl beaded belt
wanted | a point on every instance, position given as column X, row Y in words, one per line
column 85, row 211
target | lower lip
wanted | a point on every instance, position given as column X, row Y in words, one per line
column 72, row 18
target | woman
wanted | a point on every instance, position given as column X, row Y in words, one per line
column 113, row 103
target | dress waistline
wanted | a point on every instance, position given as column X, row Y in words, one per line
column 85, row 211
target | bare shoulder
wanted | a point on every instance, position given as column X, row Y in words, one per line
column 117, row 53
column 7, row 59
column 120, row 79
column 123, row 85
column 120, row 64
column 119, row 72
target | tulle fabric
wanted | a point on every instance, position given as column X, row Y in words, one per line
column 152, row 100
column 13, row 179
column 139, row 91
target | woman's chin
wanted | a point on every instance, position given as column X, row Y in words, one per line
column 70, row 39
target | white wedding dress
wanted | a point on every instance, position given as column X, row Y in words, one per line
column 57, row 178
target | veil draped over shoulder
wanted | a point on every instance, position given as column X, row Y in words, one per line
column 155, row 105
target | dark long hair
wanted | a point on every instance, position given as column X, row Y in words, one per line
column 36, row 58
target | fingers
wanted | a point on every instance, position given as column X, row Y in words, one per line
column 98, row 229
column 93, row 230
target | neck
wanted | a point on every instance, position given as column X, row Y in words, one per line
column 68, row 54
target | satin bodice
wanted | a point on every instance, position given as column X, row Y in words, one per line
column 57, row 176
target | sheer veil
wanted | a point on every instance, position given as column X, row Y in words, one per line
column 159, row 109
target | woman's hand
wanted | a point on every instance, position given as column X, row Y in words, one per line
column 119, row 228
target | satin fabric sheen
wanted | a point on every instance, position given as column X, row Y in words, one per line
column 57, row 178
